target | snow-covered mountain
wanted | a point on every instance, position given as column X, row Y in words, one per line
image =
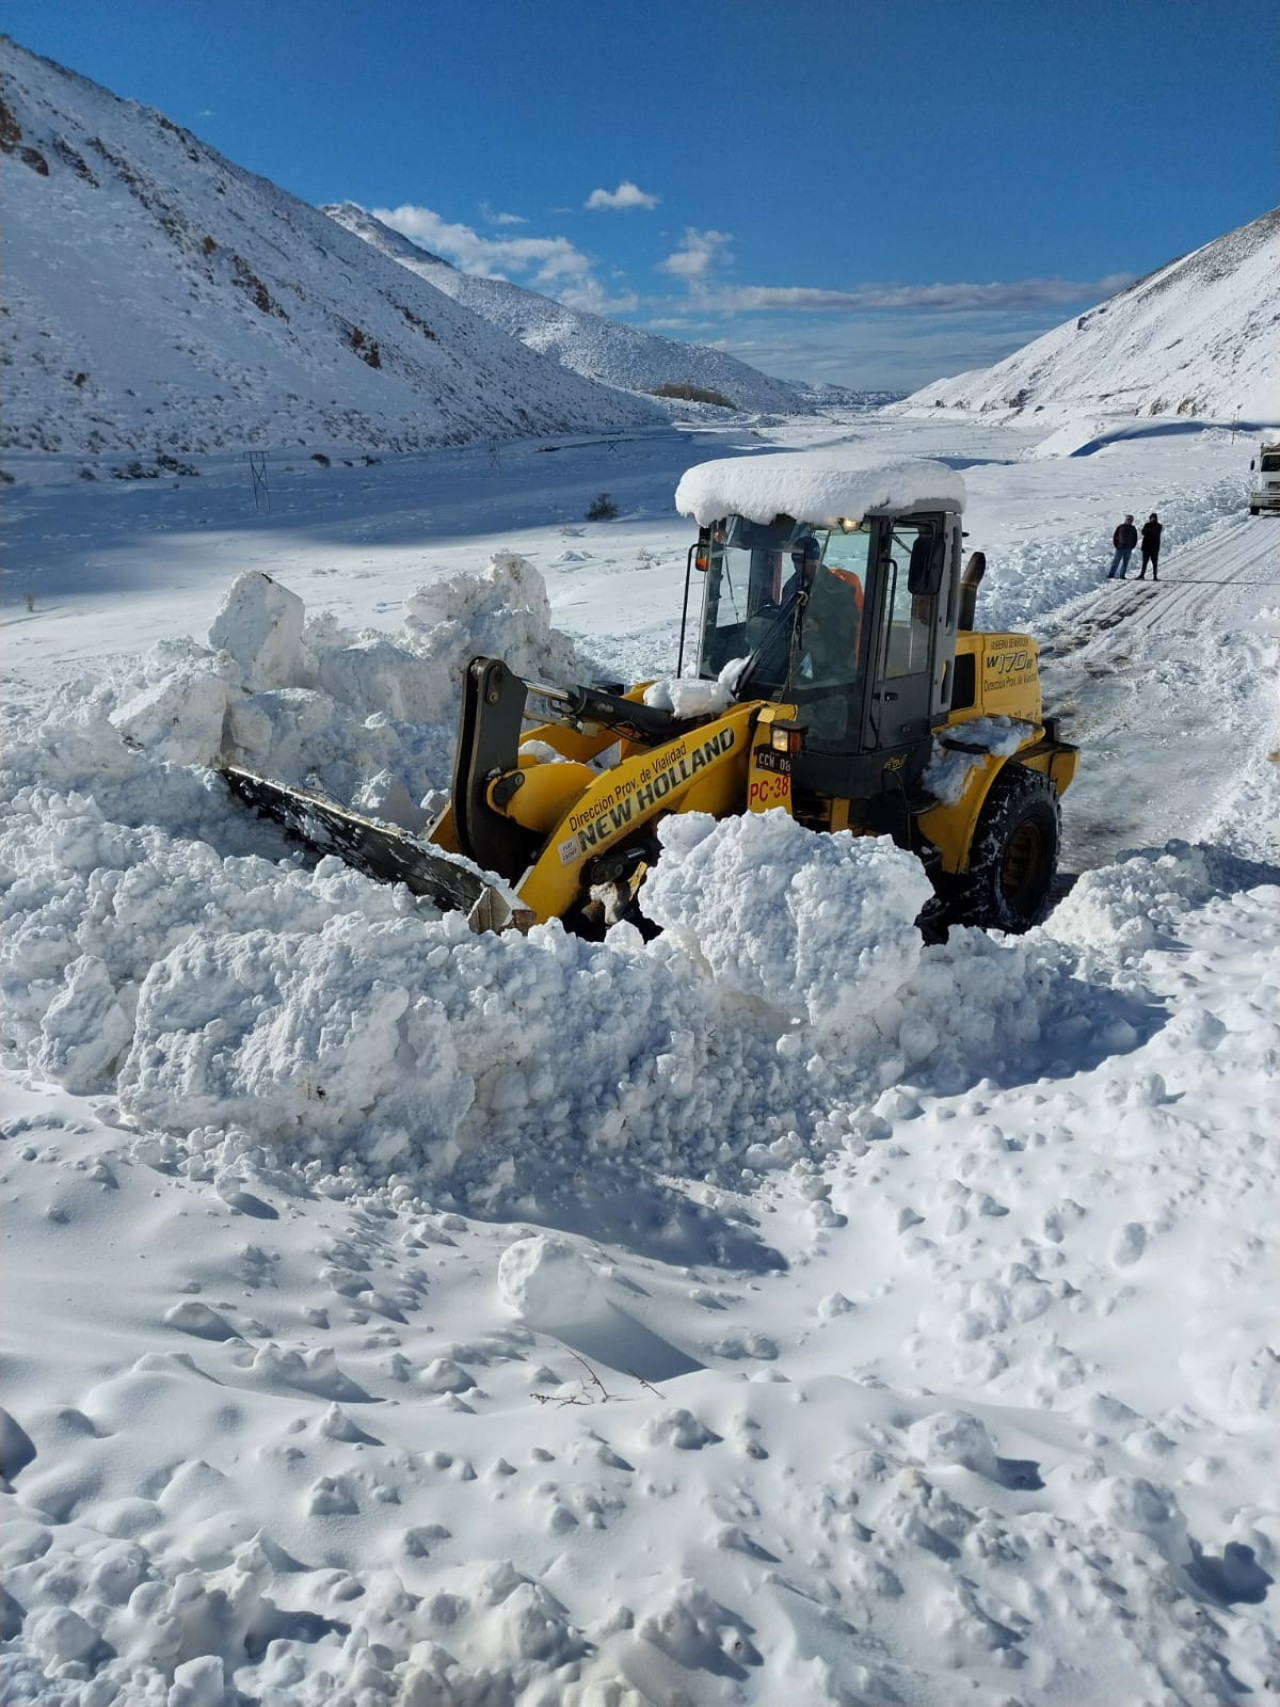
column 588, row 344
column 1200, row 336
column 157, row 294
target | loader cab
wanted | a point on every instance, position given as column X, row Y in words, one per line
column 853, row 624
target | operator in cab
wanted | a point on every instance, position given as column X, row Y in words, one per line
column 831, row 625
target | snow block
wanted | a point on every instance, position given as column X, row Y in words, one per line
column 546, row 1281
column 260, row 625
column 85, row 1028
column 178, row 719
column 819, row 927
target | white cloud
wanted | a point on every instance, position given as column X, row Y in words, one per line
column 877, row 335
column 891, row 336
column 548, row 260
column 700, row 252
column 627, row 194
column 895, row 351
column 999, row 298
column 491, row 216
column 592, row 298
column 678, row 323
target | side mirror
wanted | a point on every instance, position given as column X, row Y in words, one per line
column 924, row 574
column 1251, row 463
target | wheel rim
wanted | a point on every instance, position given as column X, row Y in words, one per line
column 1020, row 867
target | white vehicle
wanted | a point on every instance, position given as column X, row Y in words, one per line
column 1264, row 488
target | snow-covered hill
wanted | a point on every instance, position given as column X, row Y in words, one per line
column 157, row 294
column 1199, row 337
column 584, row 343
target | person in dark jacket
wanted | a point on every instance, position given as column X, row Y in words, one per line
column 1151, row 531
column 1124, row 539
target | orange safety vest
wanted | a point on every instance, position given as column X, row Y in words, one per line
column 850, row 579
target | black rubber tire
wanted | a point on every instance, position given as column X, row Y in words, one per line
column 1014, row 856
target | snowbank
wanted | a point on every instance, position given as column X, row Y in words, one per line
column 162, row 944
column 1122, row 910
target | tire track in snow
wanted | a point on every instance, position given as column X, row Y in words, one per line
column 1234, row 564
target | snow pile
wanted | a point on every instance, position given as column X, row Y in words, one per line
column 816, row 933
column 260, row 626
column 157, row 944
column 1140, row 902
column 407, row 1044
column 341, row 1021
column 812, row 489
column 345, row 709
column 818, row 927
column 504, row 613
column 368, row 719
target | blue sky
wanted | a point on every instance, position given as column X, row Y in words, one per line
column 869, row 192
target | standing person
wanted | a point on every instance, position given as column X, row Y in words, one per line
column 1151, row 531
column 1124, row 539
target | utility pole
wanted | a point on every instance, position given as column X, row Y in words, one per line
column 258, row 472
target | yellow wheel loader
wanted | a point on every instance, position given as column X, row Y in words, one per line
column 838, row 678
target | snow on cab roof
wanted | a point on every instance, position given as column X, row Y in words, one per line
column 811, row 490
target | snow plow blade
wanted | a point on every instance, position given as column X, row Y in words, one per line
column 380, row 851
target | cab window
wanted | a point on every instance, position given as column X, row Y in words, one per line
column 908, row 621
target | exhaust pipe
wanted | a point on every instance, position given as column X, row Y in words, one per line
column 970, row 581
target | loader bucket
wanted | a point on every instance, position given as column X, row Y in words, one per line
column 383, row 852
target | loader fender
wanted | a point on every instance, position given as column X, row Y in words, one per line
column 950, row 825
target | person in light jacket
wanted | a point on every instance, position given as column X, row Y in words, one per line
column 1124, row 539
column 1151, row 531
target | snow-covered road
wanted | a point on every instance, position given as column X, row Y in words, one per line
column 1170, row 691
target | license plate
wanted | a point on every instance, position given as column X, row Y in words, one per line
column 767, row 760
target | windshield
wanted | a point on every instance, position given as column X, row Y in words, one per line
column 744, row 590
column 790, row 599
column 1271, row 462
